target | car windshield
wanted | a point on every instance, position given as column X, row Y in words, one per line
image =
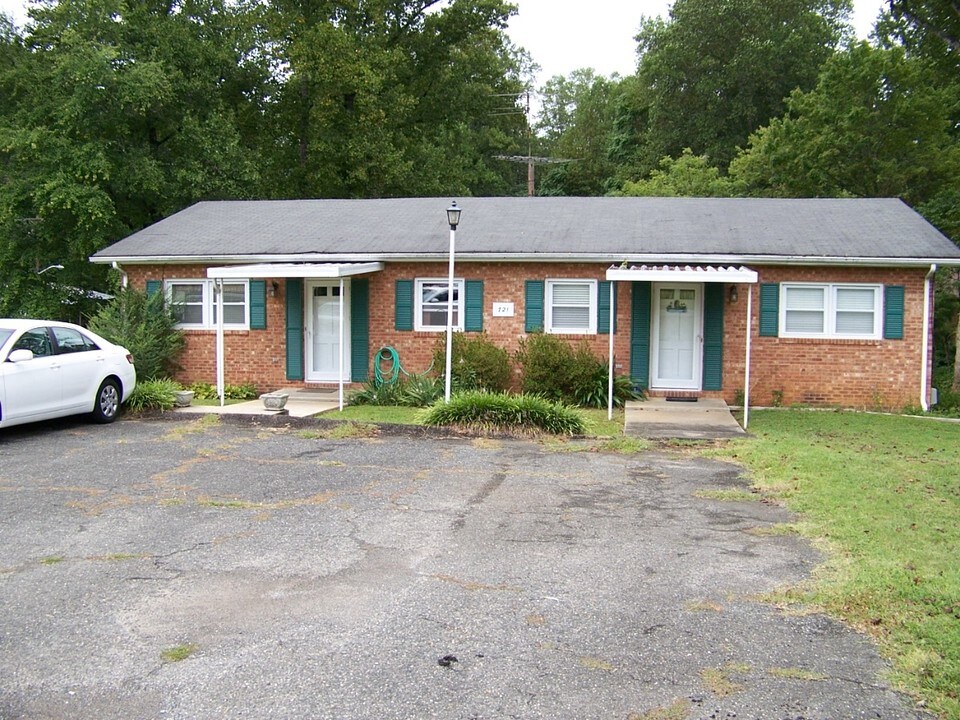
column 4, row 334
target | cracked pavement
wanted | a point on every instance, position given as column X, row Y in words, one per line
column 395, row 577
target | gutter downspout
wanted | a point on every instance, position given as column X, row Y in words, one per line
column 925, row 352
column 124, row 280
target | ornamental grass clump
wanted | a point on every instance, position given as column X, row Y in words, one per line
column 506, row 413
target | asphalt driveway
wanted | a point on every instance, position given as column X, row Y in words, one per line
column 397, row 577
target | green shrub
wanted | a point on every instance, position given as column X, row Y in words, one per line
column 553, row 368
column 948, row 401
column 153, row 395
column 208, row 391
column 413, row 391
column 145, row 326
column 476, row 363
column 499, row 411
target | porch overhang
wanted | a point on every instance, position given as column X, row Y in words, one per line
column 685, row 273
column 293, row 270
column 688, row 274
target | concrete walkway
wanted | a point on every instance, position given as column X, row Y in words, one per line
column 303, row 402
column 660, row 419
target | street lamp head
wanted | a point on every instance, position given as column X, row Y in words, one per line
column 453, row 215
column 50, row 267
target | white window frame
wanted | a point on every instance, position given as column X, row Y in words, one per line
column 459, row 287
column 208, row 302
column 830, row 311
column 548, row 305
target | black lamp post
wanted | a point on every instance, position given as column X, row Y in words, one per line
column 453, row 218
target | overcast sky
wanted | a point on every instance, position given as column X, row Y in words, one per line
column 564, row 35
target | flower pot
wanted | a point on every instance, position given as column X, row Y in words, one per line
column 274, row 400
column 183, row 398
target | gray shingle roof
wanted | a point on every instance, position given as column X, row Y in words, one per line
column 547, row 228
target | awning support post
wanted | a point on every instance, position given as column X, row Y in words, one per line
column 340, row 368
column 746, row 370
column 221, row 385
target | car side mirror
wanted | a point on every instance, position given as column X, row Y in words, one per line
column 20, row 356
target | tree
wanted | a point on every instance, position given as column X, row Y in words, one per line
column 929, row 27
column 686, row 176
column 877, row 125
column 120, row 113
column 719, row 69
column 387, row 97
column 576, row 124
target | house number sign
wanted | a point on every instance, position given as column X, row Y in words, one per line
column 503, row 309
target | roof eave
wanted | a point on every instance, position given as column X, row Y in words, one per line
column 529, row 257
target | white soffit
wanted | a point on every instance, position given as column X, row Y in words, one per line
column 686, row 273
column 293, row 270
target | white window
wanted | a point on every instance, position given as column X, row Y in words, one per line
column 194, row 303
column 831, row 311
column 432, row 304
column 571, row 306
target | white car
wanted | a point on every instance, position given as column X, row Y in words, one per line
column 51, row 369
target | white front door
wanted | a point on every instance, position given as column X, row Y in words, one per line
column 677, row 337
column 323, row 331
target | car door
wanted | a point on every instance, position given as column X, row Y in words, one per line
column 82, row 368
column 32, row 386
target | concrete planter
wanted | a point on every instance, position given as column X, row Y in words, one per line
column 183, row 398
column 274, row 400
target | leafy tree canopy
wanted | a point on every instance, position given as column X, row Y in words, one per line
column 686, row 176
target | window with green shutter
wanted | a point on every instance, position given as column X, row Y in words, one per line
column 604, row 308
column 258, row 304
column 769, row 309
column 403, row 305
column 154, row 286
column 893, row 297
column 533, row 304
column 473, row 315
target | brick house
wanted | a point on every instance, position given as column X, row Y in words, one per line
column 836, row 293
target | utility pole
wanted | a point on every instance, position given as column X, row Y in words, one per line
column 530, row 159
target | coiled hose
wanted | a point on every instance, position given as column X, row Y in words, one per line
column 388, row 354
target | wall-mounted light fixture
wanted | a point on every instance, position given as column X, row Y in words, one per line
column 734, row 295
column 274, row 288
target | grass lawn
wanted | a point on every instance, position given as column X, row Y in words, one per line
column 881, row 496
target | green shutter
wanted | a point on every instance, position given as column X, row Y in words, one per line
column 359, row 329
column 640, row 334
column 403, row 305
column 294, row 329
column 473, row 318
column 533, row 302
column 258, row 304
column 154, row 286
column 603, row 309
column 769, row 309
column 713, row 297
column 893, row 312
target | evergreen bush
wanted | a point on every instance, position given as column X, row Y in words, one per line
column 476, row 363
column 146, row 327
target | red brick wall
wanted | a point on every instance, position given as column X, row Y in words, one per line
column 852, row 373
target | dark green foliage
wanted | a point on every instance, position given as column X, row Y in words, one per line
column 949, row 399
column 208, row 391
column 476, row 363
column 153, row 395
column 412, row 391
column 502, row 412
column 554, row 369
column 145, row 326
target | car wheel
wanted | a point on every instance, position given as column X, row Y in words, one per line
column 107, row 402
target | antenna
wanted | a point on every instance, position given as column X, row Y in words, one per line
column 530, row 159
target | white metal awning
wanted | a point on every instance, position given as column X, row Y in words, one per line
column 293, row 270
column 689, row 274
column 684, row 273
